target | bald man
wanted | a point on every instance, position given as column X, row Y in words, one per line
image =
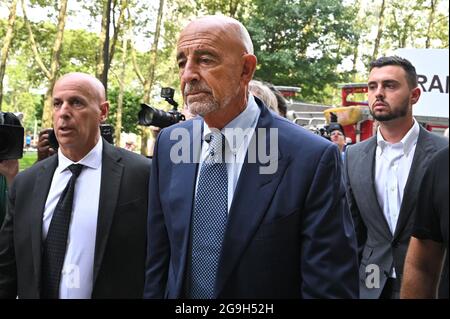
column 227, row 222
column 75, row 228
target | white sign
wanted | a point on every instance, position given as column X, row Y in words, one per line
column 432, row 74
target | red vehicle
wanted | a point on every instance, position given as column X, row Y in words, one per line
column 354, row 114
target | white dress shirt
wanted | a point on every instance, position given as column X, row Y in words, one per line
column 392, row 166
column 235, row 148
column 77, row 273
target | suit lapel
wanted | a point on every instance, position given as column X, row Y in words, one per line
column 182, row 189
column 247, row 210
column 40, row 193
column 109, row 193
column 367, row 183
column 424, row 150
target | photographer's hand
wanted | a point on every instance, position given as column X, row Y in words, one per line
column 9, row 169
column 43, row 147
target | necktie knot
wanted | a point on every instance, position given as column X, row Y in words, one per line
column 216, row 141
column 76, row 169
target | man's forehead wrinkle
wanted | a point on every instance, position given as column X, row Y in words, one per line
column 199, row 37
column 212, row 41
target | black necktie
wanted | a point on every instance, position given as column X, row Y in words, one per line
column 56, row 241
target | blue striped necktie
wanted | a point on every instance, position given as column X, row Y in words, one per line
column 209, row 220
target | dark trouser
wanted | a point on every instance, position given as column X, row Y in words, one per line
column 391, row 289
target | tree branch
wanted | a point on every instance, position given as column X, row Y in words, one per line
column 33, row 43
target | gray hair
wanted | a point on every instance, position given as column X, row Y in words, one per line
column 265, row 94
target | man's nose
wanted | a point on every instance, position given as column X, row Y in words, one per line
column 379, row 92
column 65, row 110
column 190, row 72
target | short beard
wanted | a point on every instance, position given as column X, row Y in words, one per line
column 203, row 107
column 393, row 114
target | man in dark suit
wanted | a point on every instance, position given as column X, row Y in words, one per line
column 86, row 239
column 429, row 241
column 383, row 176
column 224, row 220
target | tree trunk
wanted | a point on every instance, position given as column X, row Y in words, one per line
column 101, row 41
column 406, row 31
column 233, row 8
column 6, row 44
column 121, row 81
column 356, row 44
column 379, row 32
column 106, row 48
column 145, row 132
column 104, row 75
column 153, row 55
column 54, row 66
column 430, row 23
column 117, row 25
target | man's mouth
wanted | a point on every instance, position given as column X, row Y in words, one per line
column 379, row 105
column 65, row 130
column 196, row 93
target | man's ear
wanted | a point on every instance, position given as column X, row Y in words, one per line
column 249, row 67
column 104, row 110
column 415, row 95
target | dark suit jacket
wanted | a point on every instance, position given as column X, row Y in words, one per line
column 121, row 235
column 376, row 243
column 289, row 234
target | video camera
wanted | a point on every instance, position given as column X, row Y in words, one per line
column 11, row 136
column 326, row 130
column 323, row 131
column 106, row 131
column 151, row 116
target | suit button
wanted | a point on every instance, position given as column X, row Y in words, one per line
column 394, row 244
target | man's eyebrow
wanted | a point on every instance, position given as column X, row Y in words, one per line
column 180, row 56
column 205, row 52
column 390, row 82
column 383, row 82
column 198, row 52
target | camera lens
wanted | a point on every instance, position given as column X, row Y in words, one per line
column 151, row 116
column 148, row 116
column 11, row 142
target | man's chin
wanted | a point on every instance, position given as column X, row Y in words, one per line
column 67, row 143
column 201, row 109
column 385, row 117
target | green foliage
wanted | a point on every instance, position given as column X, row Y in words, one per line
column 298, row 43
column 231, row 8
column 19, row 97
column 79, row 51
column 131, row 107
column 301, row 43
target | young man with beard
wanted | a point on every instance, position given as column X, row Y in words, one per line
column 383, row 176
column 222, row 225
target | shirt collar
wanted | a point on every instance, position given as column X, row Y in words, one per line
column 245, row 120
column 408, row 141
column 93, row 159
